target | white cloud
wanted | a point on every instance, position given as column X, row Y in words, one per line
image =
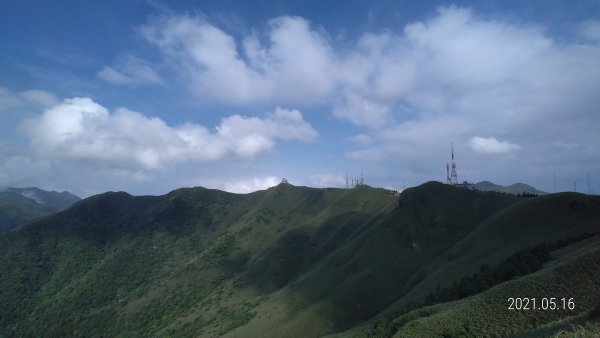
column 492, row 146
column 295, row 66
column 250, row 185
column 130, row 70
column 441, row 80
column 452, row 63
column 82, row 129
column 362, row 111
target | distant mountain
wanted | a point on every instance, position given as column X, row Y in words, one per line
column 21, row 205
column 514, row 189
column 436, row 261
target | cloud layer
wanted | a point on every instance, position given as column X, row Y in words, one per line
column 250, row 185
column 492, row 146
column 489, row 85
column 82, row 129
column 452, row 64
column 293, row 67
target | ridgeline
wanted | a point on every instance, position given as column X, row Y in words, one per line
column 303, row 262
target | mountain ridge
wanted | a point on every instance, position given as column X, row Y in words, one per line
column 286, row 261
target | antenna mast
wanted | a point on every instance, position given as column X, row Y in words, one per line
column 589, row 185
column 453, row 176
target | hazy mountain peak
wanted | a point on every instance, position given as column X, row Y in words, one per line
column 21, row 205
column 55, row 200
column 515, row 189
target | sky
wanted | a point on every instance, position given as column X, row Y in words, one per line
column 150, row 96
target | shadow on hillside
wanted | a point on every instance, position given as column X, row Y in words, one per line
column 359, row 264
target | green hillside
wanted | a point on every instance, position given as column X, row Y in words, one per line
column 301, row 262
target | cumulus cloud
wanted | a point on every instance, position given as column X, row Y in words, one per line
column 436, row 81
column 492, row 146
column 362, row 111
column 250, row 185
column 130, row 70
column 294, row 66
column 82, row 129
column 452, row 63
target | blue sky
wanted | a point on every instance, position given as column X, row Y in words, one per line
column 149, row 96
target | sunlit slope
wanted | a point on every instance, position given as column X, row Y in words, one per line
column 287, row 261
column 574, row 277
column 530, row 222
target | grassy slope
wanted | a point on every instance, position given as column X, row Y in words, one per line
column 576, row 275
column 282, row 262
column 528, row 223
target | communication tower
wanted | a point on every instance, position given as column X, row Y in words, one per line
column 451, row 177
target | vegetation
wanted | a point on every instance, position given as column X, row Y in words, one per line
column 296, row 261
